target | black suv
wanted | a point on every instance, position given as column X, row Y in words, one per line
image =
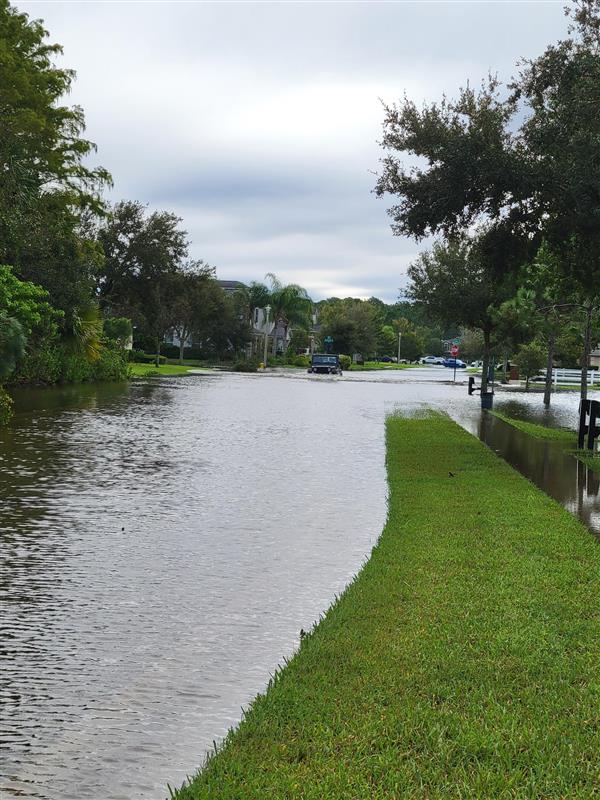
column 325, row 364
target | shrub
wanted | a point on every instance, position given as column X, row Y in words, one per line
column 346, row 362
column 112, row 364
column 43, row 364
column 172, row 351
column 300, row 361
column 139, row 357
column 245, row 365
column 6, row 404
column 76, row 368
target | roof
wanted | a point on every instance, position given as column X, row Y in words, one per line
column 231, row 286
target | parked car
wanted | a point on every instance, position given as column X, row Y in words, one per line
column 325, row 364
column 386, row 360
column 432, row 360
column 454, row 362
column 476, row 364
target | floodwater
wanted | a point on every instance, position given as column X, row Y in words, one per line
column 164, row 542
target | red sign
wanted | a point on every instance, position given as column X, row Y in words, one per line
column 454, row 350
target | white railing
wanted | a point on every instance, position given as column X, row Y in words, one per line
column 567, row 377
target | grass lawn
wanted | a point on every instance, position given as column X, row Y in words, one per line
column 372, row 365
column 462, row 662
column 151, row 370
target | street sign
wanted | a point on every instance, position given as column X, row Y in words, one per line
column 328, row 339
column 454, row 350
column 456, row 341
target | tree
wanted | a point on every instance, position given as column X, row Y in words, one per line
column 353, row 325
column 470, row 162
column 530, row 360
column 561, row 136
column 192, row 301
column 536, row 180
column 142, row 254
column 29, row 305
column 290, row 305
column 387, row 341
column 471, row 344
column 458, row 283
column 119, row 330
column 42, row 151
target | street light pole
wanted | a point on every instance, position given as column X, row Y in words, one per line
column 267, row 310
column 399, row 345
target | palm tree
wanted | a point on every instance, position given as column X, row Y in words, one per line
column 290, row 305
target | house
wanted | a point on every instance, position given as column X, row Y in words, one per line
column 231, row 287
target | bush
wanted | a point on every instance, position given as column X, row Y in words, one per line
column 300, row 361
column 42, row 365
column 346, row 362
column 172, row 351
column 112, row 364
column 76, row 368
column 246, row 365
column 139, row 357
column 6, row 404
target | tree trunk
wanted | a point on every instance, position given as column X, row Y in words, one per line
column 157, row 350
column 181, row 346
column 549, row 365
column 587, row 346
column 527, row 383
column 486, row 362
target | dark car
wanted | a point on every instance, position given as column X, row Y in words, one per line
column 325, row 364
column 454, row 362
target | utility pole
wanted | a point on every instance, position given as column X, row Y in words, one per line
column 399, row 345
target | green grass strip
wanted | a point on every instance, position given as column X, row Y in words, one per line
column 151, row 370
column 370, row 366
column 462, row 662
column 538, row 431
column 590, row 459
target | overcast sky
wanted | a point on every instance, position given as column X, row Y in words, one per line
column 257, row 123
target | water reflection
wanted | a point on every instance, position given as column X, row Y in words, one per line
column 546, row 463
column 163, row 543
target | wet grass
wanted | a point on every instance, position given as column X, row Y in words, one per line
column 462, row 662
column 590, row 459
column 538, row 431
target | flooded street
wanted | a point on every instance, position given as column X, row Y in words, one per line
column 163, row 543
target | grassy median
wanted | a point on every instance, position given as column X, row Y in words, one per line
column 462, row 662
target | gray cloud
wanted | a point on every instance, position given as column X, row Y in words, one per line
column 257, row 122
